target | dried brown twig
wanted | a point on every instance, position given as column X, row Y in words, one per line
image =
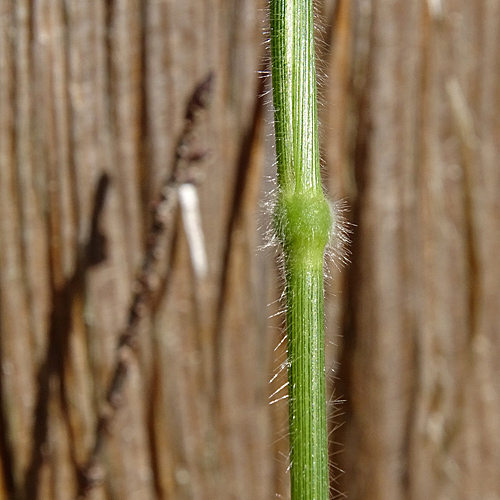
column 184, row 170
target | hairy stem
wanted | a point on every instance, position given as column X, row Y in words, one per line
column 303, row 224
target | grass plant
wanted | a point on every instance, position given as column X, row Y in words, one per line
column 303, row 223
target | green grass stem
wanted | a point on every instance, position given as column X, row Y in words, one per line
column 303, row 224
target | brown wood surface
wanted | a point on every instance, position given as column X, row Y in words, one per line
column 410, row 129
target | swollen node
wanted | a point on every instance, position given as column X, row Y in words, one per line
column 303, row 225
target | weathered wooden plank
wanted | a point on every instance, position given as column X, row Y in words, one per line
column 416, row 289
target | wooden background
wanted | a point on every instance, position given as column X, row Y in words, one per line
column 411, row 139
